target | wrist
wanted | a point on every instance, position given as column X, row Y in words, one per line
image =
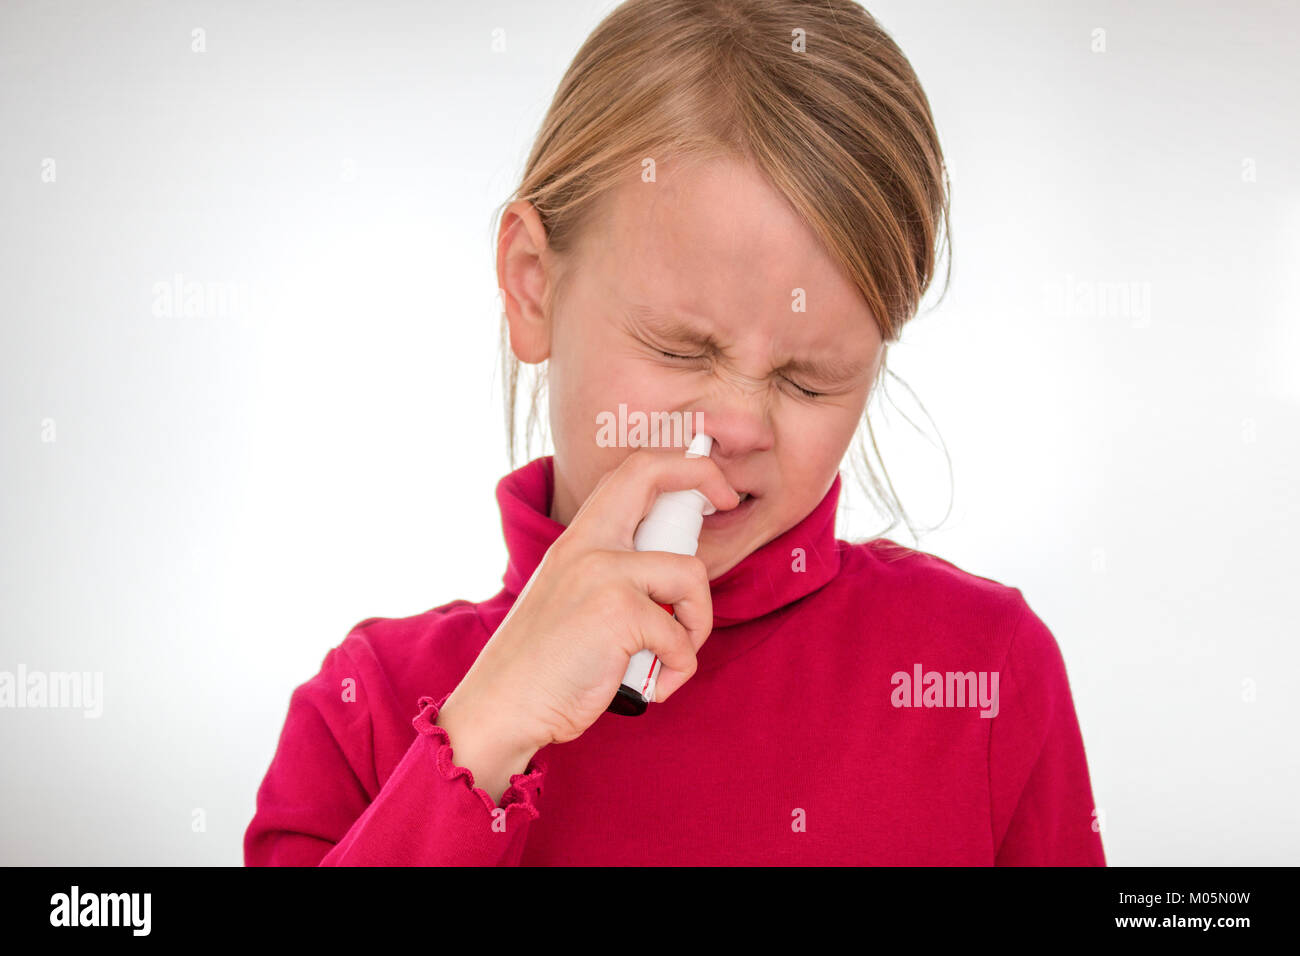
column 485, row 732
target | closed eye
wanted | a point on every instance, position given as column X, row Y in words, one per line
column 805, row 391
column 690, row 358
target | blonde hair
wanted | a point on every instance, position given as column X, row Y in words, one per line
column 841, row 128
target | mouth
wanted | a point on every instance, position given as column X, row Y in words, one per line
column 722, row 519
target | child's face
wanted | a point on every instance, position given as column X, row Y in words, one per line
column 713, row 247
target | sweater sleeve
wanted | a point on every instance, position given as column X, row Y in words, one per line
column 320, row 803
column 1041, row 796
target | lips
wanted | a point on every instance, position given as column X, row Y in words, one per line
column 744, row 495
column 733, row 516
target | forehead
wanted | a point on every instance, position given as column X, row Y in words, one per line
column 714, row 243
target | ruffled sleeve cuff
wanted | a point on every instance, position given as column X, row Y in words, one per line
column 525, row 788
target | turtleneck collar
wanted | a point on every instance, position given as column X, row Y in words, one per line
column 768, row 578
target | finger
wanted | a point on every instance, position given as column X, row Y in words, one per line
column 600, row 483
column 679, row 580
column 682, row 582
column 612, row 512
column 671, row 644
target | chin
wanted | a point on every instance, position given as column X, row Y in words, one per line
column 720, row 554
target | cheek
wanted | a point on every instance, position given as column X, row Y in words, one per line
column 583, row 396
column 642, row 385
column 811, row 433
column 580, row 371
column 583, row 387
column 811, row 444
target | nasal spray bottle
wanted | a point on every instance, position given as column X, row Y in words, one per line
column 673, row 524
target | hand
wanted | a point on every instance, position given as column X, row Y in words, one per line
column 557, row 660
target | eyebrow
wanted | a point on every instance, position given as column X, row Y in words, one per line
column 676, row 329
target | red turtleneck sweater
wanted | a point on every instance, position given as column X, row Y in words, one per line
column 789, row 745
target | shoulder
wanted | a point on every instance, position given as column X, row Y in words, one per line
column 920, row 578
column 402, row 657
column 446, row 624
column 952, row 604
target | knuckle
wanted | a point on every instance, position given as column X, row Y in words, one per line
column 582, row 566
column 641, row 460
column 690, row 661
column 694, row 569
column 594, row 566
column 566, row 552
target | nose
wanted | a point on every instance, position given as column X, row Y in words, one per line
column 738, row 420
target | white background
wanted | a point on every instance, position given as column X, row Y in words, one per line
column 227, row 495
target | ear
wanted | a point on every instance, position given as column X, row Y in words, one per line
column 525, row 280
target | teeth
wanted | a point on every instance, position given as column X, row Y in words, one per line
column 744, row 495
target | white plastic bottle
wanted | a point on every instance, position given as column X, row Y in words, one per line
column 672, row 524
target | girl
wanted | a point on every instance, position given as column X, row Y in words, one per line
column 732, row 208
